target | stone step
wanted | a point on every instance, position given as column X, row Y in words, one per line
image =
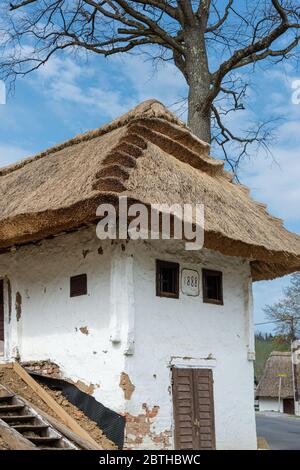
column 9, row 419
column 39, row 440
column 30, row 427
column 8, row 408
column 6, row 397
column 55, row 448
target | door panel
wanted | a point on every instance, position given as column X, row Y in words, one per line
column 1, row 318
column 183, row 408
column 1, row 312
column 193, row 409
column 288, row 406
column 203, row 384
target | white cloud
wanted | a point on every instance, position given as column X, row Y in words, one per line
column 267, row 293
column 67, row 82
column 275, row 181
column 2, row 93
column 66, row 69
column 11, row 153
column 165, row 83
column 108, row 88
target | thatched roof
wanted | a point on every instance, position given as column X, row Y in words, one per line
column 278, row 363
column 151, row 156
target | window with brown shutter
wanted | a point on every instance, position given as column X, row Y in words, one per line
column 167, row 279
column 212, row 287
column 78, row 285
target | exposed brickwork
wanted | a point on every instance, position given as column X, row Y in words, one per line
column 51, row 369
column 126, row 385
column 43, row 367
column 86, row 388
column 139, row 430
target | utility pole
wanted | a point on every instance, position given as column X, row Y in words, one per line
column 294, row 367
column 279, row 394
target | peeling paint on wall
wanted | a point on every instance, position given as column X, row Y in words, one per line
column 86, row 388
column 140, row 430
column 126, row 385
column 84, row 330
column 18, row 305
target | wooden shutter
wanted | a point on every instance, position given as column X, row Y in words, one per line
column 78, row 285
column 1, row 311
column 204, row 406
column 193, row 409
column 183, row 408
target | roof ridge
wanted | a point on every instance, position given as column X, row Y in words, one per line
column 176, row 146
column 147, row 109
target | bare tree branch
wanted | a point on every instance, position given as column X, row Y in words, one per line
column 285, row 314
column 222, row 19
column 22, row 4
column 186, row 13
column 208, row 41
column 249, row 54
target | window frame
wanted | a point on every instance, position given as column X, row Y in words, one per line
column 168, row 264
column 219, row 275
column 78, row 293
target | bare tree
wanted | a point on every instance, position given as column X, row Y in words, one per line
column 209, row 41
column 286, row 313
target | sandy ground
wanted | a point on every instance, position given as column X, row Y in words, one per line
column 10, row 379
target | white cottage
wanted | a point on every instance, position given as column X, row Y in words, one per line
column 279, row 381
column 165, row 335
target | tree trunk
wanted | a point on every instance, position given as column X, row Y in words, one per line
column 199, row 112
column 199, row 121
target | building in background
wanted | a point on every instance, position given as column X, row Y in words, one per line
column 276, row 388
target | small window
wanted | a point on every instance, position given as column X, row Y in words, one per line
column 212, row 287
column 167, row 279
column 78, row 285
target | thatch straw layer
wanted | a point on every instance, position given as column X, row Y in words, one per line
column 150, row 156
column 278, row 363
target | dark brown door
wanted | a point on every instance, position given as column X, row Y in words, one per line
column 288, row 406
column 1, row 311
column 193, row 409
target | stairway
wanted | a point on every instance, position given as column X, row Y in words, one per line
column 25, row 421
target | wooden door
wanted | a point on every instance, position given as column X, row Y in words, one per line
column 1, row 311
column 288, row 406
column 193, row 409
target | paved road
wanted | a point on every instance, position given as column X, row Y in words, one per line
column 282, row 432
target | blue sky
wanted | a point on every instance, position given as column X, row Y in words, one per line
column 70, row 96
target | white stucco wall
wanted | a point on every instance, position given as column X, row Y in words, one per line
column 49, row 327
column 167, row 330
column 131, row 330
column 270, row 404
